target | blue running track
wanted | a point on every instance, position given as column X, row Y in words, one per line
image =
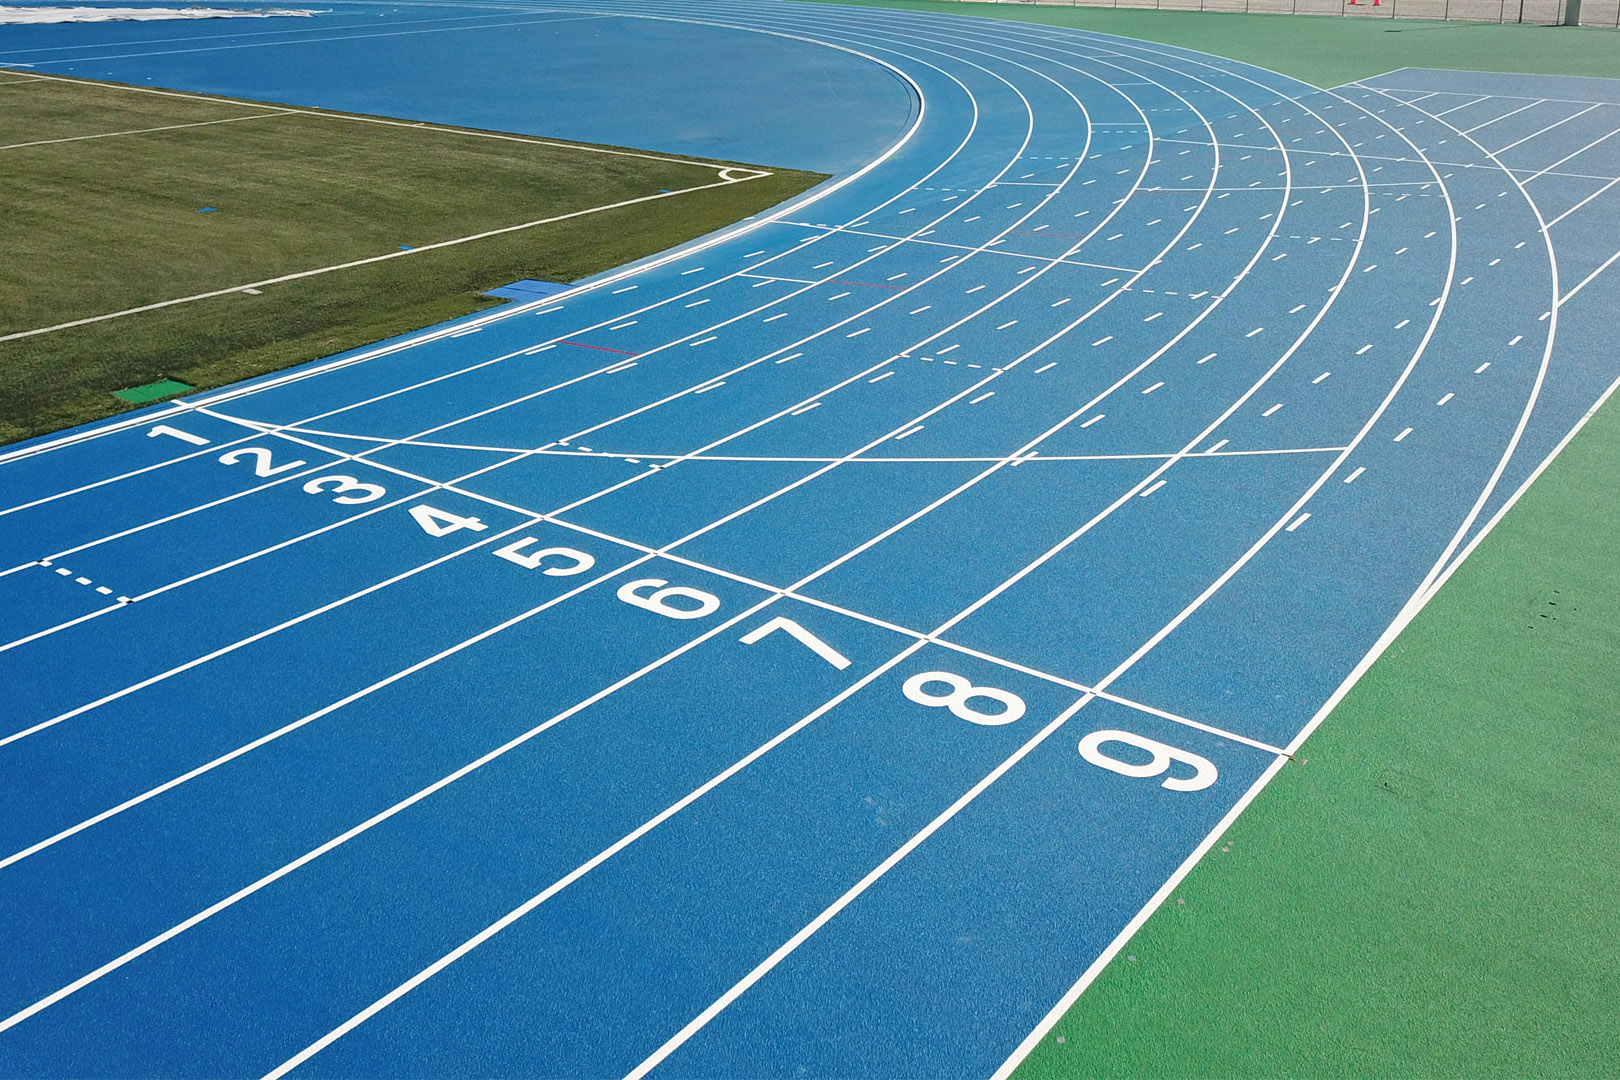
column 810, row 652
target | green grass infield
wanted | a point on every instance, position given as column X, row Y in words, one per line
column 120, row 197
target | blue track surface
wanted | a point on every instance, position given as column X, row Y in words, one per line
column 1029, row 494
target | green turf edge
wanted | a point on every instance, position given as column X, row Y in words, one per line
column 1323, row 50
column 153, row 391
column 1432, row 889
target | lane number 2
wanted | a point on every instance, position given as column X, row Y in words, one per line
column 1161, row 756
column 261, row 461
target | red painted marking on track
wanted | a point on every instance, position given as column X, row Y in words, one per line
column 603, row 348
column 868, row 284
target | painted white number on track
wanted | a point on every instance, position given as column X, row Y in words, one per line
column 261, row 461
column 961, row 693
column 176, row 433
column 436, row 522
column 513, row 553
column 658, row 601
column 802, row 636
column 1162, row 755
column 339, row 484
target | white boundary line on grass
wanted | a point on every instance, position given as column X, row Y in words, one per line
column 145, row 131
column 401, row 254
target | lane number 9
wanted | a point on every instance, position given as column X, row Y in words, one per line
column 1160, row 757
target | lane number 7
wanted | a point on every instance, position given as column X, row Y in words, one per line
column 802, row 636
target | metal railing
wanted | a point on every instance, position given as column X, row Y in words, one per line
column 1599, row 13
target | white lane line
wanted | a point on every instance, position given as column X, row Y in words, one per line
column 1445, row 399
column 805, row 408
column 1297, row 522
column 719, row 1005
column 881, row 377
column 1358, row 471
column 908, row 433
column 1320, row 377
column 1154, row 387
column 1046, row 367
column 1583, row 202
column 1404, row 433
column 1481, row 369
column 1150, row 489
column 147, row 131
column 1534, row 134
column 981, row 397
column 1273, row 409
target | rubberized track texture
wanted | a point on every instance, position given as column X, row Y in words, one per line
column 815, row 650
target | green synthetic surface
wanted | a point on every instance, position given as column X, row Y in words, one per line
column 1325, row 51
column 154, row 391
column 99, row 225
column 1433, row 889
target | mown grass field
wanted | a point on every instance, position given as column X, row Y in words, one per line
column 99, row 213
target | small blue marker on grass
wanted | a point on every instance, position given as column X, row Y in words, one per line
column 207, row 210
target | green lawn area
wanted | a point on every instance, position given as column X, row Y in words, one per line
column 1322, row 50
column 100, row 224
column 1430, row 890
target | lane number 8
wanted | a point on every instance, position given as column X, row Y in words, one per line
column 962, row 693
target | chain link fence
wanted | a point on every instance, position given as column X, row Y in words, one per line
column 1600, row 13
